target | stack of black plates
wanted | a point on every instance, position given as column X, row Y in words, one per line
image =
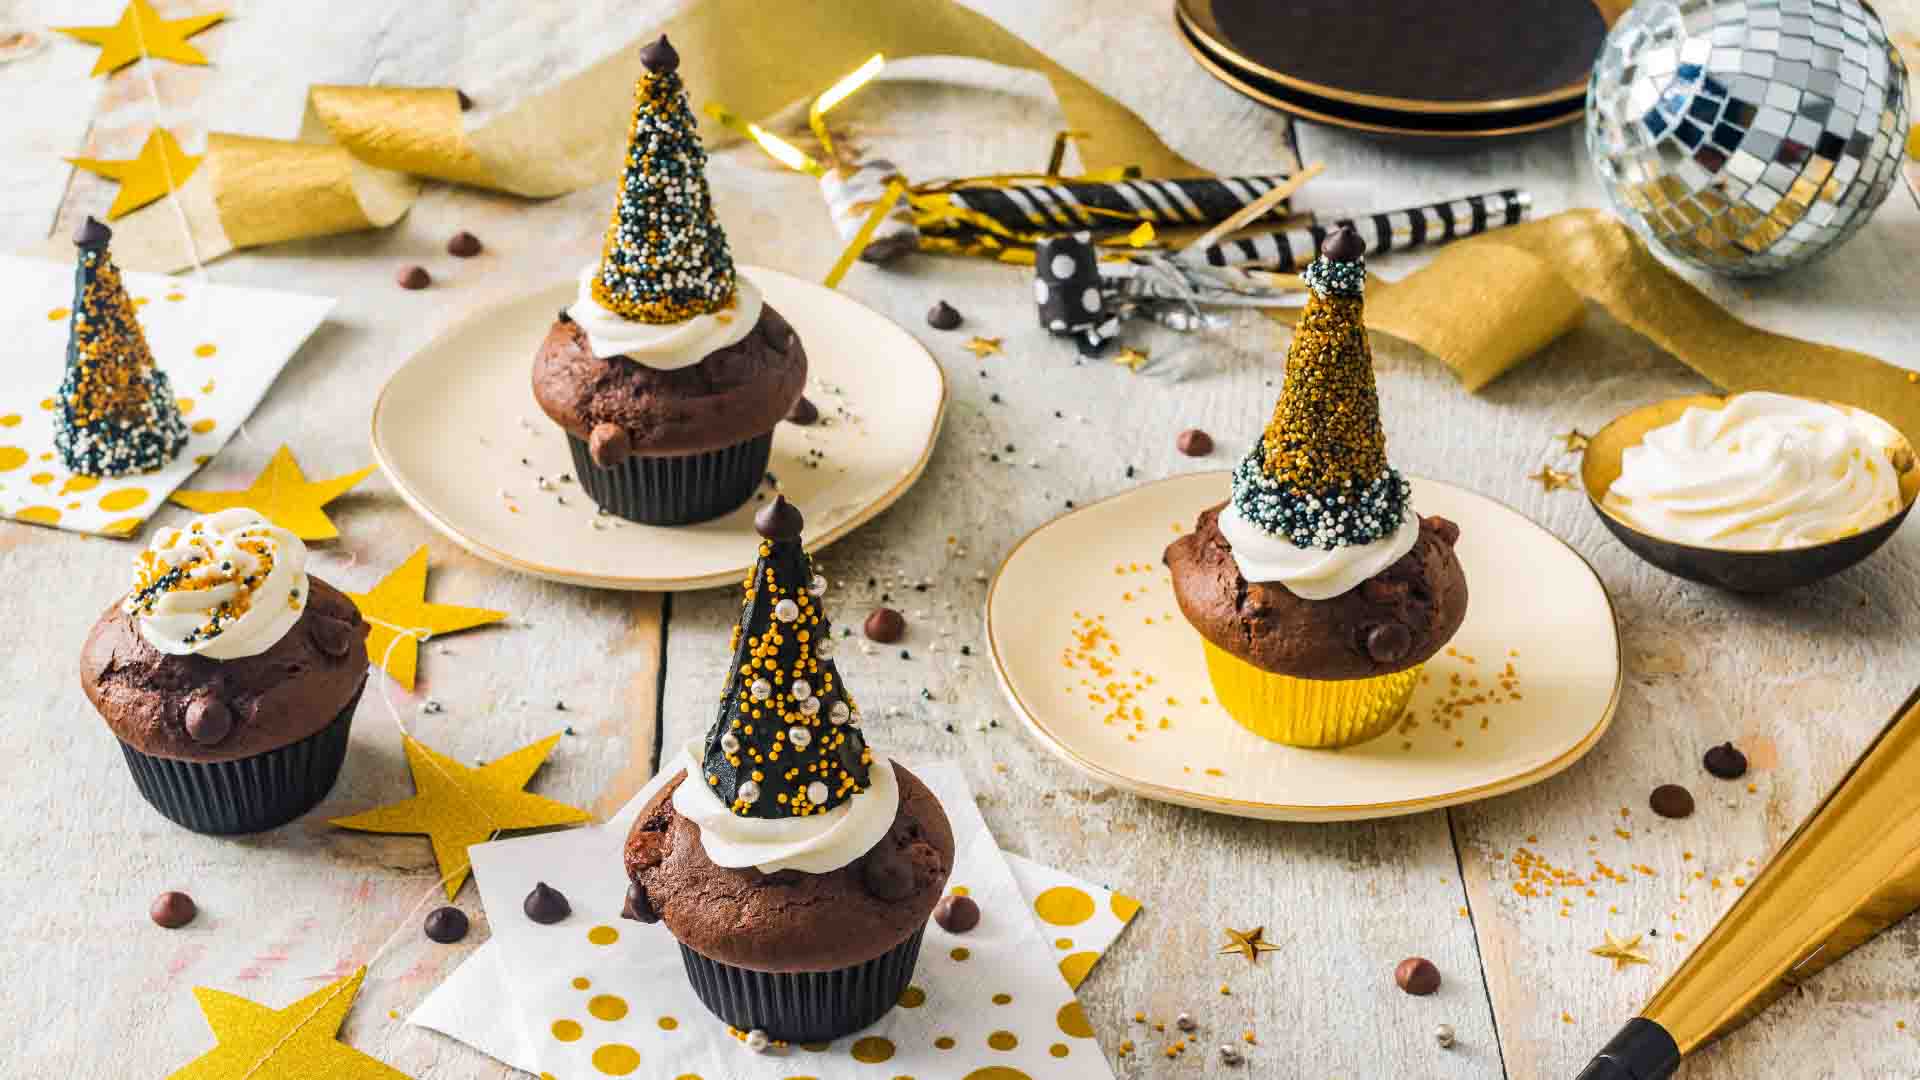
column 1405, row 67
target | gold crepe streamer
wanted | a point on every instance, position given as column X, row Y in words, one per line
column 1491, row 301
column 409, row 130
column 865, row 236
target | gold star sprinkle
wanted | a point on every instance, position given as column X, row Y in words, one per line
column 1623, row 953
column 983, row 346
column 1574, row 441
column 1551, row 479
column 302, row 1039
column 161, row 167
column 1133, row 359
column 1247, row 943
column 283, row 495
column 142, row 32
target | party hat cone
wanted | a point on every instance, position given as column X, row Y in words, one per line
column 114, row 412
column 786, row 743
column 665, row 258
column 1319, row 475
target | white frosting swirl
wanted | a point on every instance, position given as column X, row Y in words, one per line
column 664, row 346
column 1762, row 473
column 227, row 585
column 1311, row 573
column 814, row 844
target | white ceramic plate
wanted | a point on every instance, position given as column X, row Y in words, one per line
column 469, row 481
column 1089, row 586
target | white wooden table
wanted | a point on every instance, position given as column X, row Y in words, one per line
column 93, row 989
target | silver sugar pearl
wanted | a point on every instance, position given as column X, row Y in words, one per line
column 748, row 792
column 1230, row 1055
column 818, row 586
column 810, row 706
column 757, row 1041
column 761, row 689
column 1444, row 1036
column 729, row 743
column 801, row 689
column 817, row 793
column 1184, row 1022
column 786, row 610
column 799, row 737
column 839, row 714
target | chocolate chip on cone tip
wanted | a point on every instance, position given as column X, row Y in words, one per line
column 466, row 103
column 1343, row 245
column 779, row 520
column 660, row 56
column 92, row 233
column 546, row 905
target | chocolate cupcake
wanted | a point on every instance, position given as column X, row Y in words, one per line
column 795, row 866
column 1316, row 589
column 228, row 675
column 670, row 371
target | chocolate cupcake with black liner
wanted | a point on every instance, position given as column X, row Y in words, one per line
column 795, row 865
column 670, row 371
column 228, row 674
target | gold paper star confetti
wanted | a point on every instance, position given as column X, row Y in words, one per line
column 161, row 167
column 1623, row 953
column 1131, row 358
column 1574, row 441
column 142, row 32
column 398, row 605
column 283, row 495
column 1248, row 943
column 982, row 346
column 299, row 1040
column 459, row 806
column 1551, row 479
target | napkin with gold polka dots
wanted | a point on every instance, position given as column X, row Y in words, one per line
column 596, row 996
column 220, row 345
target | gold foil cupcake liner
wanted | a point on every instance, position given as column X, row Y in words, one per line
column 1317, row 713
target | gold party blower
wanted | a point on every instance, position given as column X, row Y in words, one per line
column 1849, row 871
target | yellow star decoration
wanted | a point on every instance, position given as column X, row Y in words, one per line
column 1551, row 479
column 1574, row 441
column 299, row 1040
column 1623, row 953
column 283, row 495
column 983, row 346
column 1133, row 359
column 399, row 604
column 142, row 32
column 457, row 806
column 160, row 168
column 1248, row 943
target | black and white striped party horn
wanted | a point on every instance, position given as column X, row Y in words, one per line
column 1073, row 205
column 1394, row 230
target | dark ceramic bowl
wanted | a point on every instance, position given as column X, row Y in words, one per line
column 1737, row 571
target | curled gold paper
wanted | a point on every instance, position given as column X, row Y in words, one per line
column 256, row 183
column 405, row 129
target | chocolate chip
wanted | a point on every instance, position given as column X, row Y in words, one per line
column 956, row 914
column 943, row 316
column 466, row 103
column 660, row 57
column 638, row 907
column 1194, row 443
column 209, row 721
column 1344, row 245
column 1417, row 975
column 1726, row 762
column 545, row 905
column 331, row 636
column 887, row 875
column 779, row 520
column 804, row 412
column 463, row 244
column 608, row 444
column 172, row 910
column 1388, row 642
column 446, row 925
column 648, row 849
column 1449, row 532
column 413, row 276
column 1671, row 801
column 885, row 625
column 1381, row 591
column 92, row 234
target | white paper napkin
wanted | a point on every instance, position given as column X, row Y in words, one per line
column 220, row 345
column 596, row 994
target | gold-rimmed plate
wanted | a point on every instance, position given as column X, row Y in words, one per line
column 1094, row 655
column 1312, row 63
column 457, row 431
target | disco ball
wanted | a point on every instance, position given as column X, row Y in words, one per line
column 1747, row 136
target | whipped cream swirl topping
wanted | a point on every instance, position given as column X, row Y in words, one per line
column 227, row 585
column 1762, row 473
column 664, row 346
column 811, row 844
column 1312, row 573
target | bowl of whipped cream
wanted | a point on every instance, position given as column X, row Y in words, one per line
column 1753, row 492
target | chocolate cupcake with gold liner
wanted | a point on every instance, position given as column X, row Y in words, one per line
column 1317, row 591
column 1756, row 492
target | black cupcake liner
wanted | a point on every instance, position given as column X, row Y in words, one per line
column 807, row 1006
column 252, row 794
column 675, row 490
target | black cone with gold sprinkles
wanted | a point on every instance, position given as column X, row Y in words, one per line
column 1319, row 475
column 114, row 412
column 786, row 742
column 665, row 258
